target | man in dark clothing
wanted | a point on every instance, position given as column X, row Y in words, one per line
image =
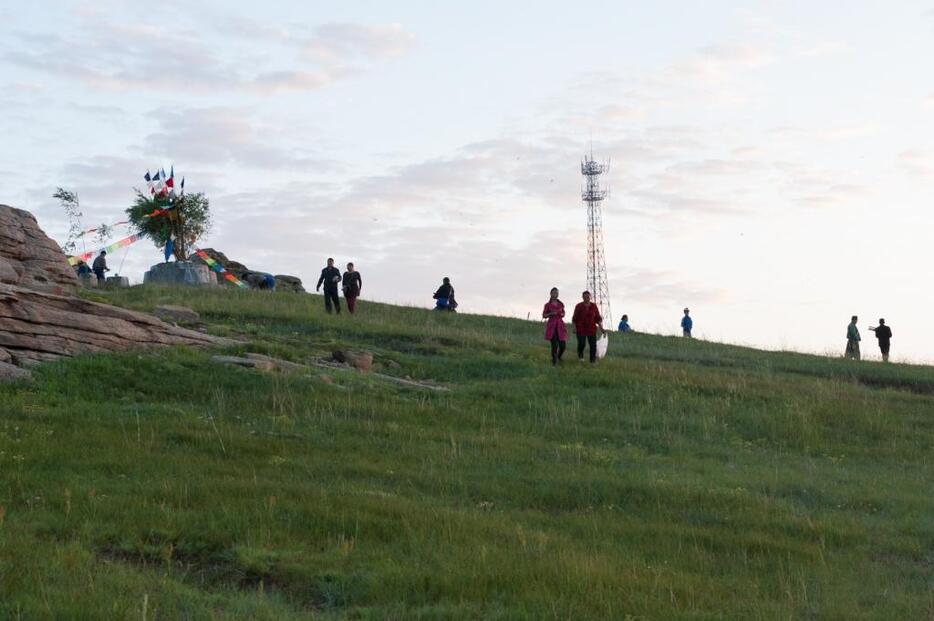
column 445, row 296
column 586, row 320
column 100, row 266
column 353, row 284
column 884, row 334
column 330, row 277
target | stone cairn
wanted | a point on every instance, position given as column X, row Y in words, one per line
column 253, row 278
column 40, row 317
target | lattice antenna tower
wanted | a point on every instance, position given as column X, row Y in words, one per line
column 593, row 195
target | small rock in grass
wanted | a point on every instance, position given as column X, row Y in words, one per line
column 249, row 363
column 11, row 373
column 362, row 360
column 176, row 314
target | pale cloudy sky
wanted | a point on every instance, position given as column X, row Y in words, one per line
column 772, row 163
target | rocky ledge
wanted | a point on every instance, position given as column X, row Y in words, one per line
column 41, row 319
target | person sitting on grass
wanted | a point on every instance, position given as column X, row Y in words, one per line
column 444, row 296
column 624, row 324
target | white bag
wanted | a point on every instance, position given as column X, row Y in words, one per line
column 602, row 344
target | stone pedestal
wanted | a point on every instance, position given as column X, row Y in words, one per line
column 181, row 273
column 117, row 281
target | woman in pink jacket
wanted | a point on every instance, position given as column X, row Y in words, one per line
column 554, row 328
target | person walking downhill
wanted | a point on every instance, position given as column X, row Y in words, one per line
column 884, row 334
column 852, row 340
column 100, row 266
column 586, row 320
column 353, row 284
column 555, row 330
column 330, row 277
column 687, row 324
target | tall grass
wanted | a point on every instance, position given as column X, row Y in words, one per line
column 677, row 479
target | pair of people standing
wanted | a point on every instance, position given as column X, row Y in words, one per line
column 352, row 285
column 883, row 334
column 586, row 320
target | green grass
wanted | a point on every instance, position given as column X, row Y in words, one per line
column 676, row 480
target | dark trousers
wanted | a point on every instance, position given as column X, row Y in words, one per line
column 100, row 276
column 351, row 303
column 591, row 340
column 330, row 297
column 884, row 348
column 557, row 348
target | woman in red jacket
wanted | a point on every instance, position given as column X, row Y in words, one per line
column 554, row 328
column 586, row 321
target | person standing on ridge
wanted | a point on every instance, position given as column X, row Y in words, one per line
column 586, row 320
column 330, row 277
column 353, row 284
column 100, row 266
column 852, row 340
column 884, row 334
column 687, row 324
column 555, row 330
column 624, row 324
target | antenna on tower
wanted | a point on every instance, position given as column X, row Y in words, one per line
column 592, row 195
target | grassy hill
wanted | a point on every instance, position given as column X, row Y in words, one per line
column 676, row 480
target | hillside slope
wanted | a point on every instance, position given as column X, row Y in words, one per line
column 677, row 479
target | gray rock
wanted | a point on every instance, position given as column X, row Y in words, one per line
column 362, row 360
column 29, row 258
column 250, row 363
column 282, row 365
column 181, row 273
column 10, row 373
column 177, row 314
column 41, row 321
column 117, row 282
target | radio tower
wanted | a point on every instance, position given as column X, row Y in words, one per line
column 596, row 261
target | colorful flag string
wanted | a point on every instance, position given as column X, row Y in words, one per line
column 217, row 267
column 94, row 230
column 123, row 243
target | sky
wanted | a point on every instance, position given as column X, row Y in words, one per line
column 771, row 163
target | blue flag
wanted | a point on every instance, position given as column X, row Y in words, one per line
column 169, row 249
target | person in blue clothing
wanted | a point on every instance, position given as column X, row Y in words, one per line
column 624, row 324
column 687, row 324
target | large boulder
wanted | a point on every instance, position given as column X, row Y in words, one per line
column 255, row 279
column 40, row 319
column 194, row 273
column 29, row 258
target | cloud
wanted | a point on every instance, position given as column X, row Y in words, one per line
column 125, row 57
column 218, row 136
column 917, row 163
column 340, row 42
column 717, row 62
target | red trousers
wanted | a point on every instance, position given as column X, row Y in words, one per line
column 351, row 302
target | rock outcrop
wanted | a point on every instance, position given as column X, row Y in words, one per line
column 29, row 258
column 41, row 320
column 253, row 278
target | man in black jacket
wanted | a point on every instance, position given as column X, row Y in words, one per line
column 330, row 277
column 884, row 334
